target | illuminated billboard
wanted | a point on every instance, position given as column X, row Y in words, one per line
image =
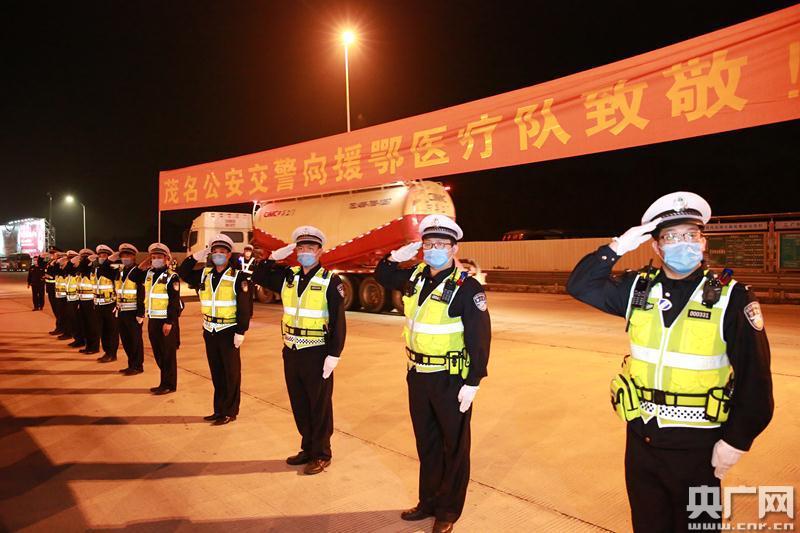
column 26, row 236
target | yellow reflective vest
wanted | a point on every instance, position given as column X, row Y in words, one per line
column 156, row 297
column 305, row 317
column 104, row 290
column 72, row 282
column 680, row 372
column 434, row 339
column 61, row 286
column 86, row 287
column 126, row 291
column 218, row 305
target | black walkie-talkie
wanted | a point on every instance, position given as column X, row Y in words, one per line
column 640, row 293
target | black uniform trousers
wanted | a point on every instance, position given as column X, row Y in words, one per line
column 311, row 398
column 50, row 290
column 658, row 481
column 442, row 433
column 130, row 333
column 72, row 321
column 165, row 351
column 89, row 324
column 107, row 324
column 225, row 364
column 37, row 292
column 59, row 310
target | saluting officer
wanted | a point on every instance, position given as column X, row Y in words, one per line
column 313, row 329
column 163, row 306
column 696, row 389
column 129, row 304
column 226, row 307
column 71, row 307
column 447, row 335
column 105, row 306
column 56, row 289
column 86, row 312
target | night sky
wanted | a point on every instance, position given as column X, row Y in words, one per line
column 97, row 97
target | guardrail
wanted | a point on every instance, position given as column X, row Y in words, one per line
column 774, row 287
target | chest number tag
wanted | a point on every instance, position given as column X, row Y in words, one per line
column 695, row 313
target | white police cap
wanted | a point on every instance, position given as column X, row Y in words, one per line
column 308, row 234
column 678, row 208
column 71, row 253
column 128, row 247
column 103, row 248
column 440, row 225
column 159, row 248
column 86, row 251
column 222, row 240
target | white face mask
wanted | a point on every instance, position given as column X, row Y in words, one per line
column 157, row 263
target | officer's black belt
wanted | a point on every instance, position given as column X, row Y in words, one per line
column 455, row 359
column 303, row 332
column 216, row 320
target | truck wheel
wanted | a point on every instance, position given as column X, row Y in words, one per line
column 264, row 295
column 374, row 297
column 397, row 301
column 350, row 284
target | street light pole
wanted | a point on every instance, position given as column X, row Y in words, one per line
column 84, row 224
column 348, row 37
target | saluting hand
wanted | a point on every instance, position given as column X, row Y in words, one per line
column 114, row 257
column 201, row 255
column 145, row 265
column 405, row 253
column 283, row 252
column 633, row 238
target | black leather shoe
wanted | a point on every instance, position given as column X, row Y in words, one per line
column 55, row 332
column 88, row 351
column 156, row 389
column 161, row 392
column 299, row 459
column 415, row 513
column 213, row 417
column 76, row 344
column 131, row 372
column 64, row 337
column 222, row 420
column 440, row 526
column 316, row 466
column 106, row 359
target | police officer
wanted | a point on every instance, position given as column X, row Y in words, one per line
column 246, row 263
column 71, row 307
column 56, row 289
column 129, row 304
column 86, row 312
column 105, row 306
column 163, row 306
column 226, row 307
column 36, row 282
column 447, row 336
column 313, row 329
column 696, row 389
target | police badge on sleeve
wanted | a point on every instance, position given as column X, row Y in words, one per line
column 753, row 313
column 480, row 301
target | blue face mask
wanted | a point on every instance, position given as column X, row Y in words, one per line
column 436, row 258
column 306, row 259
column 157, row 263
column 219, row 259
column 126, row 261
column 683, row 257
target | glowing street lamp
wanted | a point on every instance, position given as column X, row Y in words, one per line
column 348, row 38
column 71, row 200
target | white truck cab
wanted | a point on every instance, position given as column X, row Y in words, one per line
column 237, row 226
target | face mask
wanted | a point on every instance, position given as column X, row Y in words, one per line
column 101, row 260
column 247, row 255
column 157, row 263
column 219, row 259
column 127, row 261
column 682, row 257
column 436, row 258
column 306, row 259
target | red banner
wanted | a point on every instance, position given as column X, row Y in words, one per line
column 738, row 77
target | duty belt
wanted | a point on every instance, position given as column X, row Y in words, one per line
column 452, row 360
column 217, row 320
column 670, row 399
column 302, row 332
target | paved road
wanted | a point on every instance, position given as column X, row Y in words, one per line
column 82, row 447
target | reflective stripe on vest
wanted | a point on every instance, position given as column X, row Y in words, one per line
column 219, row 302
column 72, row 288
column 126, row 292
column 104, row 292
column 156, row 297
column 61, row 286
column 305, row 319
column 429, row 329
column 86, row 287
column 690, row 357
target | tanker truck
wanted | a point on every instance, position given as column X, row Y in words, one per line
column 361, row 227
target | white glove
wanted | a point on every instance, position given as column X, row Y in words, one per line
column 631, row 239
column 723, row 457
column 282, row 253
column 75, row 260
column 405, row 253
column 93, row 258
column 139, row 319
column 114, row 257
column 201, row 255
column 328, row 366
column 238, row 339
column 465, row 396
column 62, row 262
